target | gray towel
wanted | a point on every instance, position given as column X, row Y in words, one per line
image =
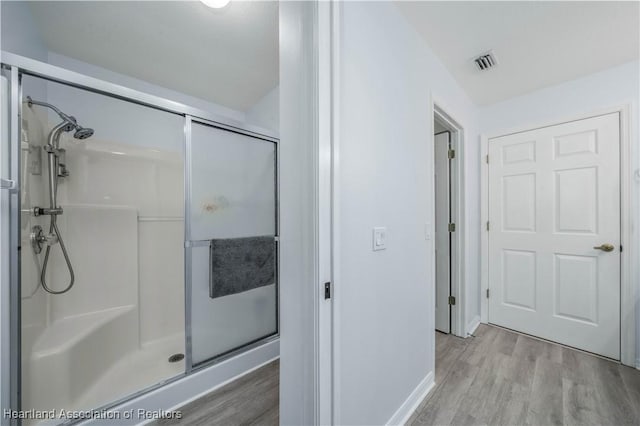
column 241, row 264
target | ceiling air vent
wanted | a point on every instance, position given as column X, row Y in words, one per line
column 486, row 61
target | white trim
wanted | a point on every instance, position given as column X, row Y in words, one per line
column 628, row 288
column 409, row 406
column 304, row 78
column 628, row 291
column 172, row 396
column 638, row 363
column 432, row 228
column 336, row 24
column 324, row 351
column 484, row 234
column 473, row 325
column 458, row 279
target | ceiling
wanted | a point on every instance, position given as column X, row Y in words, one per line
column 537, row 44
column 228, row 56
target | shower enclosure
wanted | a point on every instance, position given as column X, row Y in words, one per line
column 144, row 247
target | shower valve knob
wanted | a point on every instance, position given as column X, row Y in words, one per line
column 37, row 239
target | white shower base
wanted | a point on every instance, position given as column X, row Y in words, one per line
column 144, row 367
column 91, row 360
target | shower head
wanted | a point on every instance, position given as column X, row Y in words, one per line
column 83, row 133
column 70, row 121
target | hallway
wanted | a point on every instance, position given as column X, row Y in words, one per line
column 503, row 378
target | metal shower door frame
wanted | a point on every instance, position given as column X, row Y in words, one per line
column 10, row 336
column 190, row 244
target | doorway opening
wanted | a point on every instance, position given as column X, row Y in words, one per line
column 448, row 243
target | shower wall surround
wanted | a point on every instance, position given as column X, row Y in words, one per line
column 123, row 225
column 135, row 160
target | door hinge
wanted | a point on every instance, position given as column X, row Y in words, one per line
column 452, row 227
column 452, row 300
column 487, row 158
column 487, row 225
column 327, row 290
column 620, row 249
column 452, row 154
column 487, row 293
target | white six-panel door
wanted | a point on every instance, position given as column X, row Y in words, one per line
column 554, row 196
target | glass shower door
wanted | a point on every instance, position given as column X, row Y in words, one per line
column 231, row 240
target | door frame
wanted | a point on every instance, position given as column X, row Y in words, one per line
column 10, row 264
column 628, row 292
column 307, row 131
column 449, row 243
column 458, row 324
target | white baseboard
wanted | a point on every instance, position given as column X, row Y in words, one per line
column 402, row 415
column 473, row 325
column 638, row 363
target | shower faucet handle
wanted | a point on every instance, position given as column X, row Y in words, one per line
column 39, row 239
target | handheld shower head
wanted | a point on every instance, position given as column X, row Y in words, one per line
column 83, row 133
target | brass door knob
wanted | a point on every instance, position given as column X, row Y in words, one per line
column 605, row 247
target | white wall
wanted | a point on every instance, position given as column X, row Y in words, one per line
column 610, row 88
column 143, row 86
column 19, row 32
column 266, row 112
column 386, row 298
column 20, row 35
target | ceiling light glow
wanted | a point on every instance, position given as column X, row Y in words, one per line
column 215, row 4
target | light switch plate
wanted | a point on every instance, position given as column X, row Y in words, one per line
column 379, row 238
